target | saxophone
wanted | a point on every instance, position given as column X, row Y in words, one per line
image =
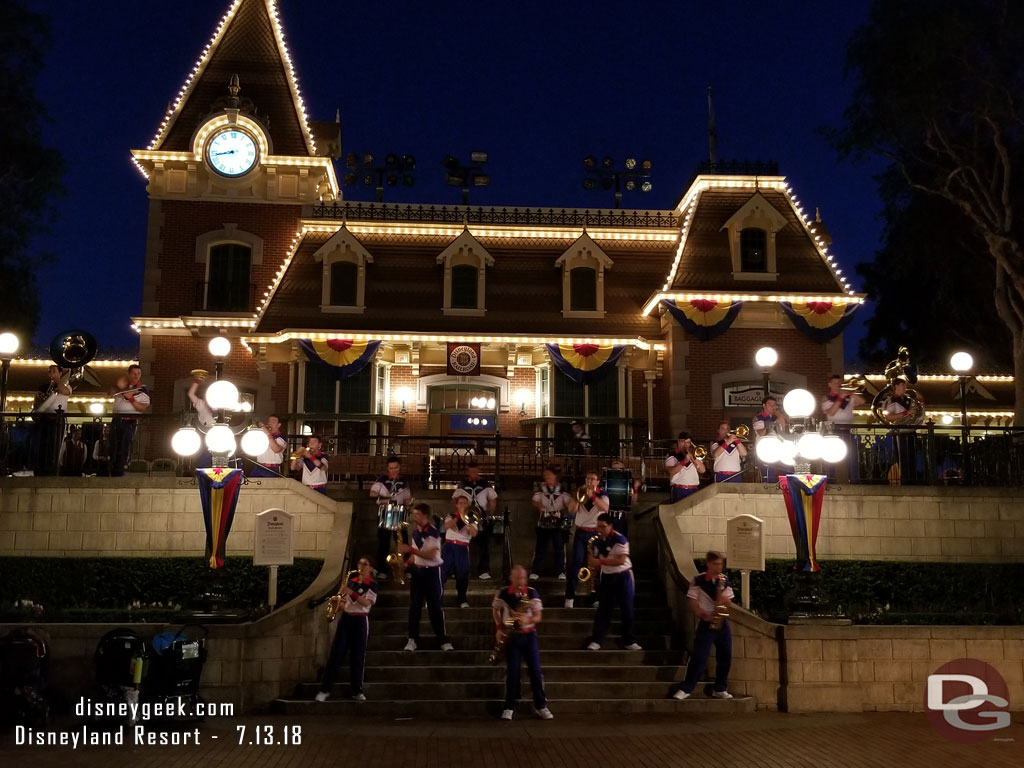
column 508, row 627
column 396, row 560
column 721, row 611
column 585, row 576
column 336, row 603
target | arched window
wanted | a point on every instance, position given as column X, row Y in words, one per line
column 465, row 263
column 753, row 250
column 583, row 266
column 464, row 287
column 583, row 289
column 344, row 262
column 344, row 284
column 228, row 288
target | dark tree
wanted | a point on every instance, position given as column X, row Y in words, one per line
column 939, row 92
column 30, row 172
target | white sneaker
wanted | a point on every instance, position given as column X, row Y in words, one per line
column 721, row 695
column 568, row 602
column 594, row 647
column 411, row 645
column 322, row 696
column 596, row 604
column 506, row 714
column 680, row 695
column 359, row 697
column 561, row 576
column 534, row 576
column 484, row 576
column 464, row 605
column 545, row 714
column 447, row 647
column 633, row 647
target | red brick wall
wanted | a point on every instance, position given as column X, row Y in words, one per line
column 735, row 349
column 180, row 273
column 415, row 421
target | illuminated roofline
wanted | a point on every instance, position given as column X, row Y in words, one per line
column 835, row 298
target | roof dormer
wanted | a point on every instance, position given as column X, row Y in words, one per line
column 752, row 231
column 583, row 266
column 465, row 263
column 344, row 259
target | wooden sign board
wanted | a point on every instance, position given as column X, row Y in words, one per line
column 273, row 539
column 744, row 547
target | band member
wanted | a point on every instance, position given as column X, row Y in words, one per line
column 838, row 406
column 728, row 451
column 552, row 504
column 313, row 464
column 48, row 421
column 580, row 439
column 684, row 468
column 130, row 399
column 424, row 577
column 73, row 453
column 611, row 556
column 521, row 604
column 268, row 463
column 353, row 632
column 904, row 458
column 484, row 496
column 769, row 422
column 100, row 454
column 595, row 502
column 389, row 487
column 458, row 532
column 709, row 590
column 205, row 417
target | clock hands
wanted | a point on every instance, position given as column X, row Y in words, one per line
column 225, row 152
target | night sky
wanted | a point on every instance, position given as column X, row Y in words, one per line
column 536, row 85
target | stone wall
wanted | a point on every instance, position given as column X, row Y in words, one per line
column 147, row 517
column 983, row 525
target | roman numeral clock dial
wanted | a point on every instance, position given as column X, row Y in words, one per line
column 231, row 153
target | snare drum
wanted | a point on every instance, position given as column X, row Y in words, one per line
column 495, row 523
column 391, row 515
column 618, row 484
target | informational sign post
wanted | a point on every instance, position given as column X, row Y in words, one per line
column 272, row 545
column 744, row 549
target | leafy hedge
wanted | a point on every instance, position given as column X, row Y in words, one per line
column 104, row 588
column 889, row 592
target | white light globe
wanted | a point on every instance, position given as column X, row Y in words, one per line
column 307, row 430
column 490, row 403
column 484, row 422
column 787, row 454
column 961, row 362
column 220, row 439
column 186, row 441
column 96, row 408
column 766, row 357
column 8, row 344
column 245, row 406
column 524, row 397
column 222, row 395
column 220, row 347
column 798, row 403
column 810, row 445
column 255, row 441
column 403, row 394
column 769, row 448
column 833, row 449
column 947, row 419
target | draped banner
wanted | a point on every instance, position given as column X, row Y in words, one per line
column 585, row 363
column 820, row 320
column 340, row 358
column 704, row 318
column 218, row 491
column 804, row 495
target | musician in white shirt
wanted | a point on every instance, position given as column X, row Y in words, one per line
column 48, row 423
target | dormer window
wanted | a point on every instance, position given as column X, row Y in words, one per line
column 465, row 275
column 583, row 266
column 753, row 250
column 344, row 262
column 752, row 231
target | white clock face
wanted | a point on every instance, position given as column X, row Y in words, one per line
column 232, row 153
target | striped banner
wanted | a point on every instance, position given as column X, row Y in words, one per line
column 704, row 318
column 585, row 363
column 804, row 495
column 820, row 320
column 218, row 490
column 339, row 358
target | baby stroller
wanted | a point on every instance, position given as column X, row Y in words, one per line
column 175, row 666
column 24, row 659
column 120, row 662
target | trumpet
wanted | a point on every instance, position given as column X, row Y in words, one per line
column 298, row 453
column 336, row 603
column 700, row 453
column 742, row 431
column 586, row 576
column 582, row 494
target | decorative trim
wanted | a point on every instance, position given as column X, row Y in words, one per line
column 465, row 250
column 343, row 246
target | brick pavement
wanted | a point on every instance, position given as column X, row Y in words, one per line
column 772, row 740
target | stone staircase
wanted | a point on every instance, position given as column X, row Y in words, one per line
column 461, row 682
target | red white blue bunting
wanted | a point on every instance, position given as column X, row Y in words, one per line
column 585, row 363
column 340, row 358
column 820, row 320
column 704, row 318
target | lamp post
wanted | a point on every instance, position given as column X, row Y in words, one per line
column 766, row 358
column 635, row 176
column 8, row 347
column 467, row 176
column 396, row 168
column 962, row 363
column 804, row 492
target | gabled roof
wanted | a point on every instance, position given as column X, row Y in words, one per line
column 342, row 240
column 585, row 244
column 468, row 243
column 759, row 208
column 248, row 42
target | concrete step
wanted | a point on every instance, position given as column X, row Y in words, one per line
column 458, row 625
column 575, row 642
column 482, row 691
column 465, row 658
column 456, row 673
column 443, row 710
column 399, row 598
column 481, row 613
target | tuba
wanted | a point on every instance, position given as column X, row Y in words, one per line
column 71, row 350
column 586, row 576
column 900, row 368
column 336, row 603
column 510, row 625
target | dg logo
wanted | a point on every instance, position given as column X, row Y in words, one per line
column 966, row 699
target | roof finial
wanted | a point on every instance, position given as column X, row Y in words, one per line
column 233, row 88
column 817, row 214
column 712, row 133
